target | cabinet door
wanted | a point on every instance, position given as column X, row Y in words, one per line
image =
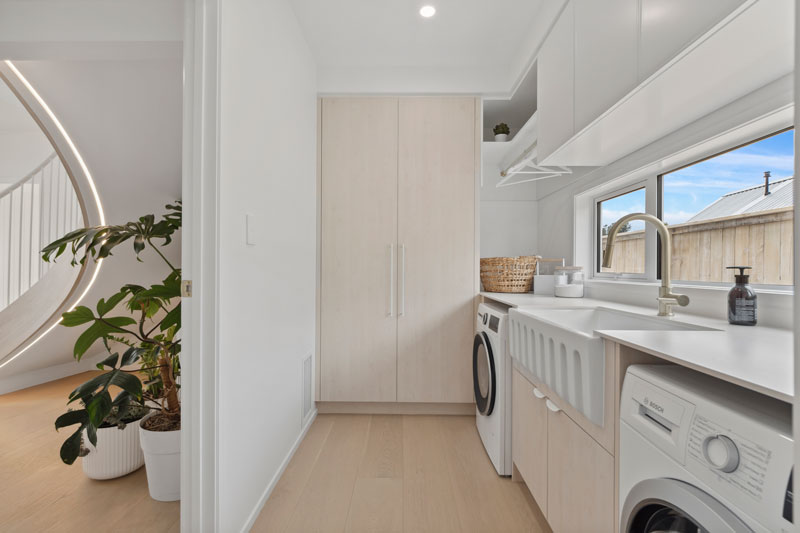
column 580, row 478
column 606, row 39
column 358, row 329
column 529, row 438
column 556, row 85
column 668, row 26
column 436, row 207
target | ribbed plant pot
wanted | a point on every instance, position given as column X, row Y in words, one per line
column 117, row 453
column 162, row 458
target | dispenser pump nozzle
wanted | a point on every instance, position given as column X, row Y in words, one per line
column 741, row 277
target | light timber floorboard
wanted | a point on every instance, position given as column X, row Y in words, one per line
column 40, row 493
column 393, row 473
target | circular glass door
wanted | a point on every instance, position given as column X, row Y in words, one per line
column 666, row 505
column 483, row 374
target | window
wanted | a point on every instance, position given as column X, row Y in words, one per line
column 735, row 208
column 730, row 209
column 629, row 254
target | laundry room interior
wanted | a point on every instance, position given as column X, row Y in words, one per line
column 434, row 266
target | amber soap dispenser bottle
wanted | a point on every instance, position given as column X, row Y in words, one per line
column 742, row 300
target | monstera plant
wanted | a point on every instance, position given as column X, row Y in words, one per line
column 141, row 322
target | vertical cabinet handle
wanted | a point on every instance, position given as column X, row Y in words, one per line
column 390, row 312
column 553, row 407
column 402, row 291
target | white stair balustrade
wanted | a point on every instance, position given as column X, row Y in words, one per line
column 34, row 211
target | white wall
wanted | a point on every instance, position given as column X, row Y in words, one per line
column 267, row 290
column 507, row 215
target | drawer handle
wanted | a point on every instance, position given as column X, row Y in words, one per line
column 553, row 407
column 539, row 394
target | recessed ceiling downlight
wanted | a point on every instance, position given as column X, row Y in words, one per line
column 427, row 11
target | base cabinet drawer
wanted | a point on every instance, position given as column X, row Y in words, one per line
column 529, row 438
column 580, row 481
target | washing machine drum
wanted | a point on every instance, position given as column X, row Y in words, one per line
column 484, row 378
column 673, row 506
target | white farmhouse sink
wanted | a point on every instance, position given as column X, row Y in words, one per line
column 562, row 348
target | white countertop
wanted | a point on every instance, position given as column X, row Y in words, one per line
column 757, row 358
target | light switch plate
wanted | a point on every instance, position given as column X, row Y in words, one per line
column 250, row 223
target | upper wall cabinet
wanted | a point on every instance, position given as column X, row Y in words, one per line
column 556, row 81
column 642, row 69
column 605, row 55
column 668, row 26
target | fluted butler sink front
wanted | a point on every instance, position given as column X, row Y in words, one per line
column 561, row 347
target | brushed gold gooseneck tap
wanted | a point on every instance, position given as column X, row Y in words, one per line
column 666, row 298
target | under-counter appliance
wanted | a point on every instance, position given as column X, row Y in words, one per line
column 491, row 376
column 702, row 455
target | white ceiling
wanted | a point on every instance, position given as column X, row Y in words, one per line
column 391, row 33
column 385, row 46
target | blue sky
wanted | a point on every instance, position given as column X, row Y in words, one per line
column 688, row 191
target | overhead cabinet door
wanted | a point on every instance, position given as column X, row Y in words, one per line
column 358, row 325
column 436, row 237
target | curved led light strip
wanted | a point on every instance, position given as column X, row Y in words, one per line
column 88, row 177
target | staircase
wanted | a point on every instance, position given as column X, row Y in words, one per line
column 34, row 211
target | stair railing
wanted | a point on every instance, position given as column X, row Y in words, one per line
column 34, row 211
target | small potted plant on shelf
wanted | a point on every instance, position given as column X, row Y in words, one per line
column 147, row 371
column 501, row 132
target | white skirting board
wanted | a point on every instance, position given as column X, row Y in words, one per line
column 25, row 380
column 274, row 481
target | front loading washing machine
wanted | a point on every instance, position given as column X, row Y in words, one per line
column 491, row 376
column 701, row 455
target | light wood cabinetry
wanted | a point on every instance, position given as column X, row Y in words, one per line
column 436, row 236
column 359, row 228
column 606, row 35
column 556, row 85
column 580, row 483
column 397, row 249
column 569, row 473
column 529, row 438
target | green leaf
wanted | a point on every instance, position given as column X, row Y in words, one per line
column 71, row 448
column 72, row 417
column 103, row 306
column 173, row 318
column 99, row 330
column 138, row 244
column 111, row 361
column 86, row 390
column 130, row 356
column 78, row 316
column 99, row 408
column 91, row 432
column 127, row 382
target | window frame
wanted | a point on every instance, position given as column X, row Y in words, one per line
column 653, row 183
column 638, row 185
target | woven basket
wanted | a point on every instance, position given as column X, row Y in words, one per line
column 508, row 274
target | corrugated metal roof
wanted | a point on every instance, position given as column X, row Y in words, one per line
column 751, row 200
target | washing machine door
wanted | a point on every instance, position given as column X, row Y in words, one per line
column 673, row 506
column 484, row 379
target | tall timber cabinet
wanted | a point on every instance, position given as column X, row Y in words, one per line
column 398, row 267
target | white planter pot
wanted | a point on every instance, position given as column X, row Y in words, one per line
column 501, row 137
column 117, row 452
column 162, row 457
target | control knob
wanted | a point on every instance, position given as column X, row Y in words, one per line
column 721, row 453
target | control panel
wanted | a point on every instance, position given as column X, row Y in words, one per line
column 745, row 461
